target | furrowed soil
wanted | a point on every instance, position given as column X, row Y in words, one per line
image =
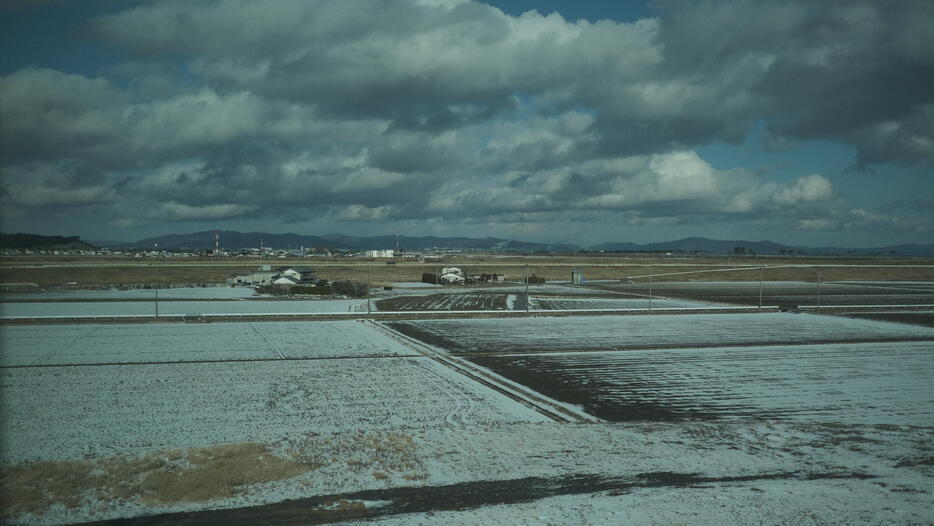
column 444, row 302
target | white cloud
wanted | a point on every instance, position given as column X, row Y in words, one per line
column 452, row 111
column 173, row 211
column 807, row 189
column 43, row 196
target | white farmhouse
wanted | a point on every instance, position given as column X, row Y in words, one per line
column 452, row 275
column 300, row 274
column 284, row 280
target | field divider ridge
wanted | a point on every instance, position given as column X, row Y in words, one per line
column 540, row 403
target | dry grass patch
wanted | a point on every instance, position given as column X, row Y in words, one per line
column 215, row 473
column 32, row 487
column 161, row 477
column 360, row 452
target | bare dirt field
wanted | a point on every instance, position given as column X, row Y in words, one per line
column 466, row 301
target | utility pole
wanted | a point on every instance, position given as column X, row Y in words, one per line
column 760, row 287
column 367, row 291
column 156, row 276
column 650, row 288
column 527, row 302
column 818, row 289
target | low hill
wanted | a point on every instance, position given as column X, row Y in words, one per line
column 20, row 241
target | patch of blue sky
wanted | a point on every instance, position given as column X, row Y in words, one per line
column 591, row 10
column 874, row 186
column 530, row 107
column 824, row 157
column 55, row 36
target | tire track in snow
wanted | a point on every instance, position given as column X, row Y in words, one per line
column 65, row 345
column 278, row 350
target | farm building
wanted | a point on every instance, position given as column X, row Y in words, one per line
column 284, row 280
column 301, row 273
column 259, row 277
column 280, row 276
column 577, row 276
column 380, row 253
column 452, row 275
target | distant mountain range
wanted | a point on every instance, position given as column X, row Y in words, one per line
column 714, row 246
column 233, row 240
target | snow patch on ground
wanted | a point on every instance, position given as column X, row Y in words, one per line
column 136, row 294
column 674, row 330
column 145, row 308
column 58, row 413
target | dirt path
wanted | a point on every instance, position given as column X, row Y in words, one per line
column 467, row 495
column 517, row 392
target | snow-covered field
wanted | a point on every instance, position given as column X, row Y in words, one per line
column 134, row 343
column 791, row 293
column 59, row 413
column 145, row 308
column 135, row 294
column 564, row 303
column 694, row 473
column 865, row 383
column 784, row 418
column 634, row 332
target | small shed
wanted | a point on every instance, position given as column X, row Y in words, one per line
column 577, row 277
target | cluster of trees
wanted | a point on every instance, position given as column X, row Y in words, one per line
column 535, row 280
column 351, row 289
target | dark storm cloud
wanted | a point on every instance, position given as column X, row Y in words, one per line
column 367, row 110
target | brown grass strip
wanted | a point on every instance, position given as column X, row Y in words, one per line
column 160, row 477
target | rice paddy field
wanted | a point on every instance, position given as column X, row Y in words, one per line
column 627, row 417
column 54, row 309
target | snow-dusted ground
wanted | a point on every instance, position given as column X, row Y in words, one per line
column 135, row 294
column 831, row 462
column 792, row 293
column 58, row 413
column 798, row 474
column 563, row 303
column 646, row 473
column 129, row 343
column 674, row 330
column 867, row 383
column 145, row 308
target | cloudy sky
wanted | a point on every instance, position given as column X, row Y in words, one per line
column 797, row 121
